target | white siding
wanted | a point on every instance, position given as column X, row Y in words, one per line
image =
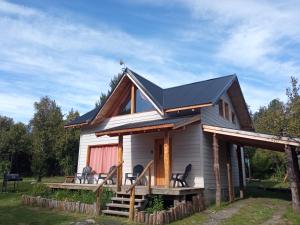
column 210, row 115
column 139, row 149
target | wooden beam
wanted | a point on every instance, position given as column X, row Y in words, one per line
column 229, row 173
column 294, row 179
column 120, row 160
column 216, row 154
column 88, row 155
column 252, row 135
column 137, row 129
column 188, row 107
column 240, row 169
column 133, row 99
column 167, row 159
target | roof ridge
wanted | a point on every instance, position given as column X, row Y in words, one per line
column 234, row 75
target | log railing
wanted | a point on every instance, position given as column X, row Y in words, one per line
column 131, row 189
column 98, row 190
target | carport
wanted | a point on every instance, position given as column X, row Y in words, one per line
column 246, row 138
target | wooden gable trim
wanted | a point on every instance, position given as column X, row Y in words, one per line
column 145, row 94
column 188, row 107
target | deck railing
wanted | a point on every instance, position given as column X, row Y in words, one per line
column 132, row 188
column 98, row 190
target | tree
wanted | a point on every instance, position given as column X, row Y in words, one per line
column 47, row 132
column 68, row 155
column 113, row 83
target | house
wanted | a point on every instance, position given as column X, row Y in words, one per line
column 142, row 118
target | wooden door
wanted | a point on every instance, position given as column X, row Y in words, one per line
column 159, row 161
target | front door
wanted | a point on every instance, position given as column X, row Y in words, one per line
column 159, row 161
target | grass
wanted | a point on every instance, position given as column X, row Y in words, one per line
column 269, row 184
column 259, row 206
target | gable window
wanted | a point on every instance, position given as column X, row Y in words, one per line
column 142, row 103
column 226, row 111
column 126, row 108
column 233, row 117
column 221, row 111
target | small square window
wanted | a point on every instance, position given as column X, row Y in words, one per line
column 221, row 112
column 226, row 111
column 233, row 117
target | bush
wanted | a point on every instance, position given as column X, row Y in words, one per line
column 106, row 197
column 155, row 204
column 41, row 189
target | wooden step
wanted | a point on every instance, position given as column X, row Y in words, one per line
column 116, row 205
column 115, row 212
column 126, row 199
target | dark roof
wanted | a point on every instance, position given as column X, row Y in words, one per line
column 208, row 91
column 85, row 118
column 165, row 121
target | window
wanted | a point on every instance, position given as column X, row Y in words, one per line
column 126, row 108
column 226, row 111
column 233, row 117
column 142, row 103
column 221, row 112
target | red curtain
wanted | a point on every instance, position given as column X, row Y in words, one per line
column 103, row 157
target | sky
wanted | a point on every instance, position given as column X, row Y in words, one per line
column 70, row 49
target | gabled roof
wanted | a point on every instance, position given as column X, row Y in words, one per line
column 198, row 94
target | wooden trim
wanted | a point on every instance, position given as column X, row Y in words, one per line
column 88, row 155
column 167, row 159
column 187, row 122
column 133, row 99
column 144, row 93
column 76, row 125
column 229, row 173
column 216, row 161
column 251, row 135
column 188, row 107
column 240, row 170
column 128, row 130
column 120, row 160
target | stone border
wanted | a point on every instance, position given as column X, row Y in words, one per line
column 77, row 207
column 179, row 211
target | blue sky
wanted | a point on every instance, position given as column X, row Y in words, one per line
column 69, row 50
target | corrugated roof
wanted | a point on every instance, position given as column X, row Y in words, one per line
column 197, row 93
column 173, row 122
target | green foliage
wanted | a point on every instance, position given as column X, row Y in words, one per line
column 113, row 83
column 4, row 166
column 40, row 189
column 106, row 196
column 155, row 204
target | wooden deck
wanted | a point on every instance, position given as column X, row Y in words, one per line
column 140, row 190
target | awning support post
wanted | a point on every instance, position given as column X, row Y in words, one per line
column 293, row 174
column 216, row 154
column 229, row 173
column 240, row 169
column 120, row 160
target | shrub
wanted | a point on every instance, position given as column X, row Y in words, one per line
column 106, row 196
column 155, row 204
column 40, row 189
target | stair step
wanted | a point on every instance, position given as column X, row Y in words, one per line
column 126, row 199
column 115, row 212
column 116, row 205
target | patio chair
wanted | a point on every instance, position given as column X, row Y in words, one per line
column 137, row 170
column 85, row 175
column 102, row 176
column 181, row 177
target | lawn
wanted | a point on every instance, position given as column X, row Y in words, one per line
column 259, row 206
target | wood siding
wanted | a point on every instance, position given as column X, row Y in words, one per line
column 210, row 115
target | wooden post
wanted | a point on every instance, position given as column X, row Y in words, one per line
column 294, row 179
column 131, row 204
column 98, row 202
column 167, row 162
column 149, row 181
column 240, row 169
column 217, row 169
column 133, row 99
column 229, row 173
column 120, row 160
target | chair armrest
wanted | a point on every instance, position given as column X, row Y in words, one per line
column 129, row 175
column 176, row 175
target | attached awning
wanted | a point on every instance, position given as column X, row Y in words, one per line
column 247, row 138
column 150, row 126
